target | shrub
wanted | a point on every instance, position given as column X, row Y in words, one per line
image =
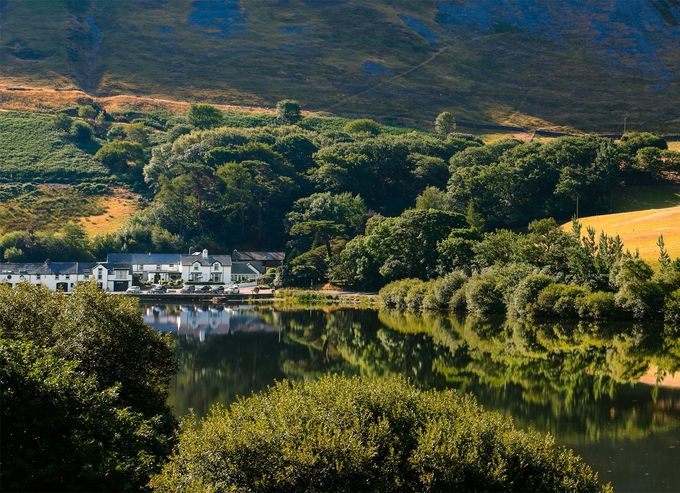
column 641, row 300
column 527, row 292
column 416, row 294
column 362, row 125
column 458, row 301
column 393, row 295
column 599, row 305
column 288, row 111
column 81, row 131
column 482, row 296
column 204, row 116
column 561, row 300
column 356, row 434
column 441, row 290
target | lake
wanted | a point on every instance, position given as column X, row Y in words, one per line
column 581, row 383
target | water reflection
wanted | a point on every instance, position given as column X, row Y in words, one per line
column 579, row 382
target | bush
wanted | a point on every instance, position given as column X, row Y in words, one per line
column 288, row 111
column 441, row 290
column 482, row 296
column 458, row 301
column 599, row 305
column 393, row 295
column 561, row 300
column 81, row 132
column 416, row 294
column 355, row 434
column 362, row 125
column 527, row 292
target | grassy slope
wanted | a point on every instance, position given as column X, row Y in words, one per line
column 40, row 173
column 33, row 151
column 117, row 209
column 394, row 59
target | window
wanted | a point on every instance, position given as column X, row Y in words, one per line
column 216, row 277
column 196, row 276
column 67, row 277
column 37, row 277
column 196, row 266
column 159, row 266
column 56, row 276
column 140, row 267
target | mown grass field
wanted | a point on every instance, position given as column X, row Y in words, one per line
column 645, row 214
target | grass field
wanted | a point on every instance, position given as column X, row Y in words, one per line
column 645, row 213
column 640, row 230
column 117, row 208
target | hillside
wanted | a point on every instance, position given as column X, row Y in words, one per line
column 520, row 63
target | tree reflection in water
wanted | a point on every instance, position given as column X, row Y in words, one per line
column 578, row 381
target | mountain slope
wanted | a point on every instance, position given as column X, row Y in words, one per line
column 529, row 62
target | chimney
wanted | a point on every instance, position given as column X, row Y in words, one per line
column 204, row 254
column 191, row 250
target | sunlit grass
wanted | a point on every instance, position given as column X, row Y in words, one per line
column 117, row 210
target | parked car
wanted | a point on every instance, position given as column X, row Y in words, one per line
column 233, row 289
column 158, row 288
column 204, row 289
column 189, row 288
column 133, row 290
column 217, row 289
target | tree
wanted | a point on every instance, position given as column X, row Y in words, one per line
column 204, row 116
column 322, row 216
column 288, row 111
column 137, row 132
column 120, row 155
column 61, row 431
column 445, row 123
column 83, row 385
column 357, row 434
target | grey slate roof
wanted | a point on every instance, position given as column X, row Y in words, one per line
column 47, row 268
column 144, row 258
column 242, row 268
column 237, row 256
column 198, row 257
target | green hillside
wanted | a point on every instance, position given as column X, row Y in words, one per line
column 585, row 64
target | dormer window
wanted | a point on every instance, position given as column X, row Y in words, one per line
column 216, row 266
column 196, row 266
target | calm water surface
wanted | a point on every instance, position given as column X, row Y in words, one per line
column 580, row 383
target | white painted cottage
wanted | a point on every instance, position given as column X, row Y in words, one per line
column 63, row 276
column 201, row 267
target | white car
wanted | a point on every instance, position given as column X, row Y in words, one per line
column 134, row 290
column 233, row 289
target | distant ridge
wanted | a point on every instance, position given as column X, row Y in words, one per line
column 525, row 63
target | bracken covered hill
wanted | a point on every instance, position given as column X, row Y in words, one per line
column 536, row 63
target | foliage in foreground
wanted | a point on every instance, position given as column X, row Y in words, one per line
column 354, row 434
column 83, row 385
